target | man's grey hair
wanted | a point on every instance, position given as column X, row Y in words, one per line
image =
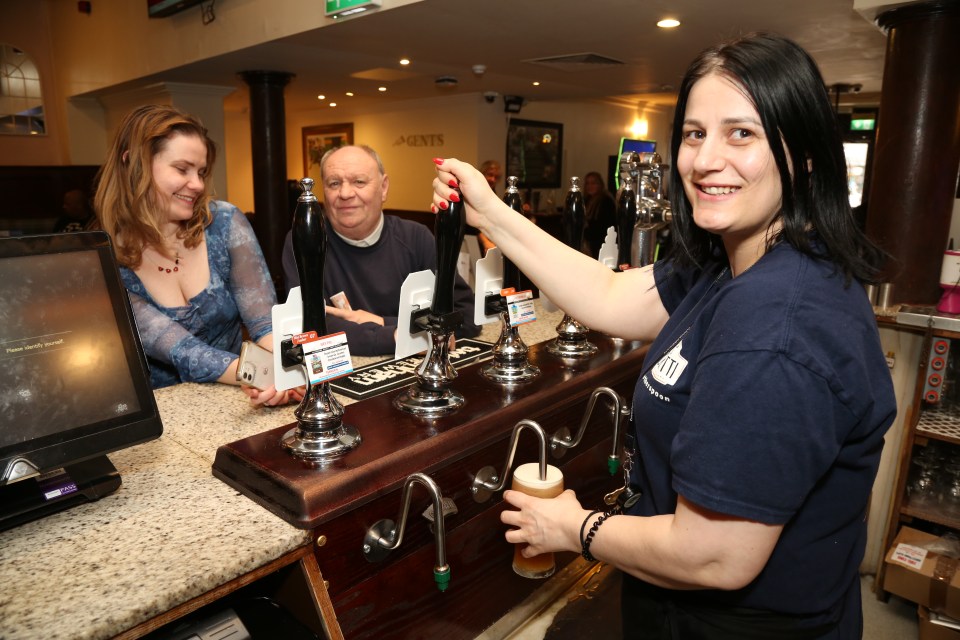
column 369, row 150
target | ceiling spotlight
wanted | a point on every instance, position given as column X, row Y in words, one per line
column 668, row 23
column 321, row 97
column 404, row 61
column 333, row 104
column 446, row 81
column 381, row 89
column 479, row 69
column 350, row 93
column 536, row 83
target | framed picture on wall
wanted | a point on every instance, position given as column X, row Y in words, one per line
column 320, row 139
column 534, row 153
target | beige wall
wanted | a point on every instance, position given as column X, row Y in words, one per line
column 26, row 25
column 408, row 134
column 117, row 42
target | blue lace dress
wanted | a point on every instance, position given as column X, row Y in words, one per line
column 197, row 342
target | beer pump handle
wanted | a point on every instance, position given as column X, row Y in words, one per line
column 448, row 232
column 511, row 275
column 574, row 213
column 309, row 249
column 626, row 219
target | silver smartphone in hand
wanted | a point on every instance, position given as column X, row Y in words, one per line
column 255, row 368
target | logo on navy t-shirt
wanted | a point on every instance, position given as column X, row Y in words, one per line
column 667, row 371
column 670, row 367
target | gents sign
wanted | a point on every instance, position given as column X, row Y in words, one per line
column 419, row 140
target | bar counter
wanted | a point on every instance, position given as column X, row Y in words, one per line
column 172, row 532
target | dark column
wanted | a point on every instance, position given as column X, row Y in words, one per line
column 917, row 152
column 272, row 214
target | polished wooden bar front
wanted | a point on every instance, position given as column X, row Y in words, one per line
column 340, row 499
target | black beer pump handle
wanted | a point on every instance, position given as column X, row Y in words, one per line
column 626, row 219
column 574, row 213
column 448, row 232
column 309, row 249
column 511, row 274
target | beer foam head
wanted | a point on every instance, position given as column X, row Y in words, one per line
column 529, row 474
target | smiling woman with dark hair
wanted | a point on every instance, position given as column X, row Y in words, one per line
column 760, row 413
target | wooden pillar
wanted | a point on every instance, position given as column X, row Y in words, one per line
column 272, row 215
column 917, row 153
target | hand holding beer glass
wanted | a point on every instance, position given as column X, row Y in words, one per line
column 526, row 479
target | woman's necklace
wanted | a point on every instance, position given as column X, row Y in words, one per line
column 162, row 269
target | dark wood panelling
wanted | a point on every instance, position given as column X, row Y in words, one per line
column 339, row 501
column 32, row 197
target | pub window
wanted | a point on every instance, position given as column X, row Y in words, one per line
column 21, row 101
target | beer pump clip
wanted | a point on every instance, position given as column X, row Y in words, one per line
column 608, row 250
column 489, row 284
column 416, row 294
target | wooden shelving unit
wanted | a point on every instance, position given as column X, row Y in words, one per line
column 927, row 425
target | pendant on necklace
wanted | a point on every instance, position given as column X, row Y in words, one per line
column 176, row 266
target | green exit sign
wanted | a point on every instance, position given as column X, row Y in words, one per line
column 862, row 124
column 337, row 8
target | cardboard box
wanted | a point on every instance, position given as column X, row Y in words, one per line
column 931, row 631
column 922, row 576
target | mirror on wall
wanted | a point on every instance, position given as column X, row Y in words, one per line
column 21, row 101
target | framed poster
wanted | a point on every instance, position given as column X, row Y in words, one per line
column 534, row 153
column 320, row 139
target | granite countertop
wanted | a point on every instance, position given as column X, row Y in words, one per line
column 169, row 534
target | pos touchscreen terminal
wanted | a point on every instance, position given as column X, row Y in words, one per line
column 74, row 383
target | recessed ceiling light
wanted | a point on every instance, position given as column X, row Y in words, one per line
column 668, row 23
column 333, row 104
column 536, row 84
column 404, row 61
column 321, row 97
column 350, row 93
column 381, row 89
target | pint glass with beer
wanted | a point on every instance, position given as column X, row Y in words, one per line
column 526, row 479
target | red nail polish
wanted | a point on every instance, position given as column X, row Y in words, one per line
column 444, row 205
column 453, row 183
column 433, row 208
column 454, row 197
column 438, row 161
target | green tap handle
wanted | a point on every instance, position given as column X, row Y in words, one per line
column 613, row 464
column 441, row 575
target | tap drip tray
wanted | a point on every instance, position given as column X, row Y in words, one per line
column 580, row 601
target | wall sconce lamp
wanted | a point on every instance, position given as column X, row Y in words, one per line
column 512, row 104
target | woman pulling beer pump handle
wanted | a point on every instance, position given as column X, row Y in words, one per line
column 760, row 414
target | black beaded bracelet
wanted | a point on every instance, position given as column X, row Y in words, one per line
column 583, row 528
column 585, row 542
